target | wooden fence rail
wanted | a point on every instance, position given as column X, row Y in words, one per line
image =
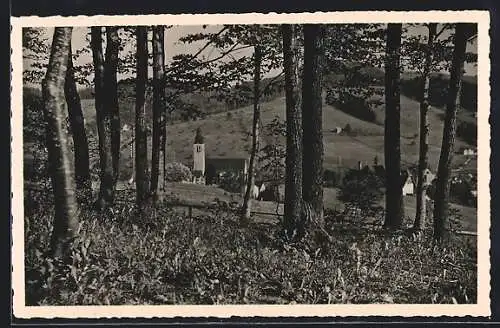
column 190, row 205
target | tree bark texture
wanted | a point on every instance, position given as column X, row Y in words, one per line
column 111, row 95
column 77, row 123
column 423, row 161
column 159, row 105
column 61, row 164
column 312, row 118
column 103, row 120
column 250, row 181
column 293, row 161
column 394, row 192
column 449, row 133
column 141, row 138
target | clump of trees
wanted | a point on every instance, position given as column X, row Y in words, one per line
column 353, row 103
column 361, row 188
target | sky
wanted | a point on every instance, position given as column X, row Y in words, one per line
column 174, row 47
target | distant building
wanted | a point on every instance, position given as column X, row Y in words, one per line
column 428, row 177
column 199, row 163
column 217, row 165
column 467, row 151
column 207, row 169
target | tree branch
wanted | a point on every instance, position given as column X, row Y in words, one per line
column 225, row 53
column 268, row 85
column 209, row 42
column 443, row 28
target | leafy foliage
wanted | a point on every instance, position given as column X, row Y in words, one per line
column 331, row 178
column 362, row 188
column 438, row 91
column 198, row 138
column 357, row 102
column 272, row 155
column 231, row 181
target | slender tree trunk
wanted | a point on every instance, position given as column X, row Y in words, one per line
column 159, row 104
column 394, row 183
column 247, row 202
column 80, row 142
column 111, row 89
column 164, row 149
column 449, row 132
column 103, row 120
column 293, row 161
column 312, row 118
column 141, row 138
column 60, row 158
column 423, row 161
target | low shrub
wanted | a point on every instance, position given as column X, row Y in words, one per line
column 331, row 178
column 231, row 181
column 362, row 188
column 467, row 131
column 177, row 172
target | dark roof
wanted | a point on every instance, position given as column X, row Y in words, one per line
column 226, row 157
column 472, row 38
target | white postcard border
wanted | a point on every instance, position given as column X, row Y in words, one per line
column 482, row 308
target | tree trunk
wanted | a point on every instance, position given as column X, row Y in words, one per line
column 312, row 160
column 80, row 142
column 293, row 161
column 141, row 138
column 60, row 160
column 159, row 104
column 449, row 131
column 111, row 89
column 103, row 120
column 423, row 161
column 394, row 192
column 247, row 202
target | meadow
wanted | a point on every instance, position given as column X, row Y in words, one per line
column 227, row 133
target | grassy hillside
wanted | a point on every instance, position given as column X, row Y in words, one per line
column 227, row 135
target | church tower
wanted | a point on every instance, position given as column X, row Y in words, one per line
column 198, row 158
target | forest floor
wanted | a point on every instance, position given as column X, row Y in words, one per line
column 166, row 257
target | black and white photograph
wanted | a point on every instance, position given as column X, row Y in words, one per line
column 251, row 164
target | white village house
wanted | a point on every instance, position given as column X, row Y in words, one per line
column 408, row 186
column 207, row 167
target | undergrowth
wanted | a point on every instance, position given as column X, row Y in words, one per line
column 164, row 258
